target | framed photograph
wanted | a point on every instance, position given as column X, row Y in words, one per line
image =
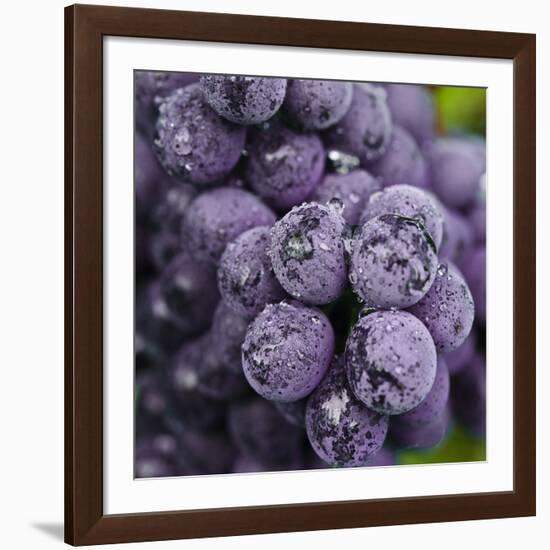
column 299, row 273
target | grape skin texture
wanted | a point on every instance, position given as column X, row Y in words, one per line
column 283, row 166
column 411, row 202
column 365, row 130
column 244, row 99
column 317, row 104
column 353, row 190
column 447, row 309
column 245, row 275
column 287, row 350
column 342, row 431
column 217, row 217
column 390, row 361
column 393, row 262
column 307, row 253
column 193, row 143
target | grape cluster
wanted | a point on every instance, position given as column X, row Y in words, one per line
column 310, row 274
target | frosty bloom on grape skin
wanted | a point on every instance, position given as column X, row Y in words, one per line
column 393, row 262
column 365, row 130
column 410, row 202
column 287, row 350
column 193, row 142
column 245, row 276
column 447, row 309
column 217, row 217
column 390, row 361
column 244, row 99
column 341, row 429
column 353, row 189
column 307, row 253
column 317, row 104
column 283, row 166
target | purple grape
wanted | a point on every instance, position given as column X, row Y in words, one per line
column 166, row 218
column 287, row 350
column 150, row 181
column 447, row 309
column 458, row 238
column 409, row 202
column 353, row 189
column 390, row 361
column 261, row 433
column 384, row 457
column 458, row 358
column 468, row 391
column 217, row 378
column 433, row 405
column 478, row 222
column 365, row 130
column 341, row 430
column 294, row 412
column 456, row 165
column 307, row 253
column 157, row 456
column 190, row 408
column 193, row 142
column 245, row 276
column 247, row 465
column 393, row 262
column 283, row 166
column 153, row 401
column 421, row 437
column 217, row 217
column 244, row 99
column 151, row 86
column 184, row 296
column 412, row 108
column 228, row 332
column 317, row 104
column 402, row 162
column 206, row 453
column 475, row 273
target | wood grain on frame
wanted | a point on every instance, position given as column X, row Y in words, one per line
column 85, row 26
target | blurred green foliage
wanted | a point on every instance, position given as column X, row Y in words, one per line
column 460, row 109
column 458, row 446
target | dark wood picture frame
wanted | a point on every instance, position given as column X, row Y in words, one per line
column 85, row 27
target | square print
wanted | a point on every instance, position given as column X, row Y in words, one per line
column 309, row 274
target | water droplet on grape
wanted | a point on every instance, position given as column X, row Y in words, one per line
column 336, row 204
